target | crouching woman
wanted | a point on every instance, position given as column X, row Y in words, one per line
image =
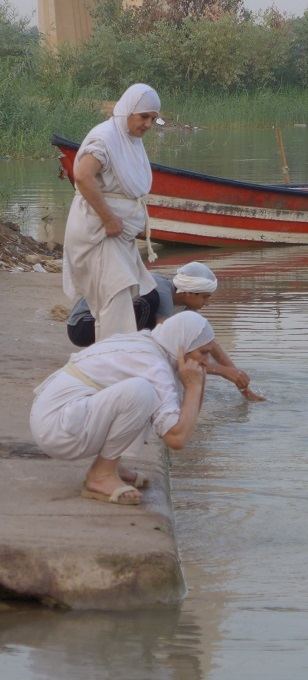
column 107, row 395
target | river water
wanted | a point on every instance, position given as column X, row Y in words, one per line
column 240, row 494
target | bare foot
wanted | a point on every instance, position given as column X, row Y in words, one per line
column 108, row 483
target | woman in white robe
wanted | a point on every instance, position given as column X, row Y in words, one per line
column 108, row 394
column 112, row 173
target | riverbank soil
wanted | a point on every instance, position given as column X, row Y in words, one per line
column 23, row 253
column 56, row 547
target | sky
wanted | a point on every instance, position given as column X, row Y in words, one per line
column 292, row 7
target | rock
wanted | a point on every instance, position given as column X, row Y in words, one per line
column 33, row 259
column 23, row 253
column 38, row 268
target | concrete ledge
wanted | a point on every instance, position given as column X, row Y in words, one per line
column 61, row 549
column 55, row 546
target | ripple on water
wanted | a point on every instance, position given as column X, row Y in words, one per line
column 240, row 491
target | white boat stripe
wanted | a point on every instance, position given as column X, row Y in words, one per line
column 260, row 235
column 227, row 209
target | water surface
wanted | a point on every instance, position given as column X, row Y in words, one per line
column 240, row 492
column 240, row 489
column 32, row 195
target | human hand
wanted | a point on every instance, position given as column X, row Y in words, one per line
column 252, row 396
column 113, row 226
column 190, row 372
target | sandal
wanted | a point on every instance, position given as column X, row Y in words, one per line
column 115, row 497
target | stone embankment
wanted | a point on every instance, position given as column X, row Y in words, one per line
column 56, row 547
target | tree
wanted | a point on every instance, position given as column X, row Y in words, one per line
column 210, row 9
column 15, row 34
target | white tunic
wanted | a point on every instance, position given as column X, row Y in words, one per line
column 107, row 364
column 96, row 266
column 70, row 419
column 102, row 401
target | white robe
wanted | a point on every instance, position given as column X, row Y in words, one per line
column 99, row 267
column 117, row 387
column 70, row 419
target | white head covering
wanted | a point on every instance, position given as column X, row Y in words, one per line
column 195, row 277
column 127, row 154
column 138, row 98
column 185, row 332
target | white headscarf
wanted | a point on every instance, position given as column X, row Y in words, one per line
column 138, row 98
column 195, row 277
column 185, row 332
column 127, row 154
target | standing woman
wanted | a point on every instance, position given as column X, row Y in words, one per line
column 112, row 176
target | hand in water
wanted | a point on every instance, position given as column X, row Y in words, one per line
column 252, row 396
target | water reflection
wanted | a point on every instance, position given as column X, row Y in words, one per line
column 138, row 646
column 240, row 493
column 249, row 154
column 32, row 195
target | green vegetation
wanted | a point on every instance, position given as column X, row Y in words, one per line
column 222, row 64
column 262, row 108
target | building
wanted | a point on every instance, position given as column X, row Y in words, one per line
column 65, row 21
column 68, row 21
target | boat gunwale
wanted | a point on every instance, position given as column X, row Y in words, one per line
column 290, row 189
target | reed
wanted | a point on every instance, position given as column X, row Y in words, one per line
column 259, row 109
column 30, row 118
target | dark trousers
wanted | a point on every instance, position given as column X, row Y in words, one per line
column 145, row 308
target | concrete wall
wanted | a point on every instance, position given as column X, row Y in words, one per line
column 65, row 20
column 68, row 21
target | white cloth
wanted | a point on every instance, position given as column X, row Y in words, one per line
column 138, row 98
column 184, row 332
column 127, row 153
column 118, row 308
column 96, row 266
column 66, row 411
column 71, row 421
column 195, row 277
column 135, row 354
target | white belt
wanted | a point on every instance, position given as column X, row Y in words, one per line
column 73, row 370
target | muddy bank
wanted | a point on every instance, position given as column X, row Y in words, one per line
column 23, row 253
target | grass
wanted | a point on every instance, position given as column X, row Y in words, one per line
column 262, row 108
column 28, row 118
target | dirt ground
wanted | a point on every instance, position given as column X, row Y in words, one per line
column 23, row 253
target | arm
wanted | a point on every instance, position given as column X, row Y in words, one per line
column 225, row 368
column 192, row 377
column 85, row 175
column 219, row 354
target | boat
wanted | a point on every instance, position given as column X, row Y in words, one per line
column 188, row 207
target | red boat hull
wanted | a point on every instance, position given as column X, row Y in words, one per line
column 197, row 209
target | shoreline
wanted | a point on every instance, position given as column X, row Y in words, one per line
column 57, row 548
